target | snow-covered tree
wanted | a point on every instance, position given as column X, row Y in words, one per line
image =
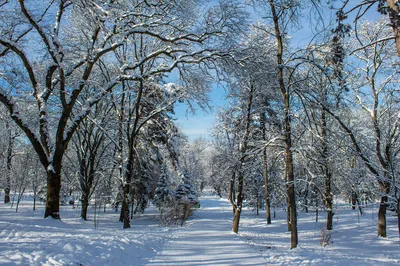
column 186, row 193
column 164, row 195
column 80, row 45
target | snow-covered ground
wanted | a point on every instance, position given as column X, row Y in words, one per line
column 205, row 239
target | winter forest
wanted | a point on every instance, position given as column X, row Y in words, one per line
column 301, row 167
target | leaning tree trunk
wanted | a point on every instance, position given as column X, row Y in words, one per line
column 53, row 194
column 239, row 204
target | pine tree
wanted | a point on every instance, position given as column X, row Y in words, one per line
column 164, row 195
column 186, row 192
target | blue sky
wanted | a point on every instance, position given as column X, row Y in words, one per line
column 199, row 124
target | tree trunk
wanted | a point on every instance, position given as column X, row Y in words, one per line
column 7, row 189
column 329, row 221
column 328, row 176
column 34, row 198
column 287, row 126
column 265, row 172
column 231, row 195
column 328, row 200
column 7, row 192
column 398, row 216
column 359, row 206
column 53, row 195
column 257, row 205
column 394, row 16
column 239, row 204
column 125, row 207
column 85, row 202
column 306, row 197
column 288, row 215
column 353, row 200
column 236, row 219
column 382, row 217
column 316, row 203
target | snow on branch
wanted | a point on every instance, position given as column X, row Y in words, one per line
column 12, row 107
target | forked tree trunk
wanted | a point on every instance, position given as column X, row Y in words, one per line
column 53, row 195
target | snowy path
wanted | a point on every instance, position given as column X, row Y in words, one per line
column 207, row 240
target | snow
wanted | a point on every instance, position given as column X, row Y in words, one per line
column 205, row 239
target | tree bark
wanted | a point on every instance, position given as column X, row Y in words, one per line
column 398, row 215
column 265, row 172
column 394, row 17
column 385, row 187
column 239, row 203
column 7, row 189
column 85, row 202
column 125, row 208
column 236, row 220
column 231, row 195
column 53, row 195
column 242, row 150
column 288, row 215
column 382, row 217
column 287, row 126
column 127, row 187
column 328, row 175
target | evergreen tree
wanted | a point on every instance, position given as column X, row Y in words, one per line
column 164, row 195
column 186, row 192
